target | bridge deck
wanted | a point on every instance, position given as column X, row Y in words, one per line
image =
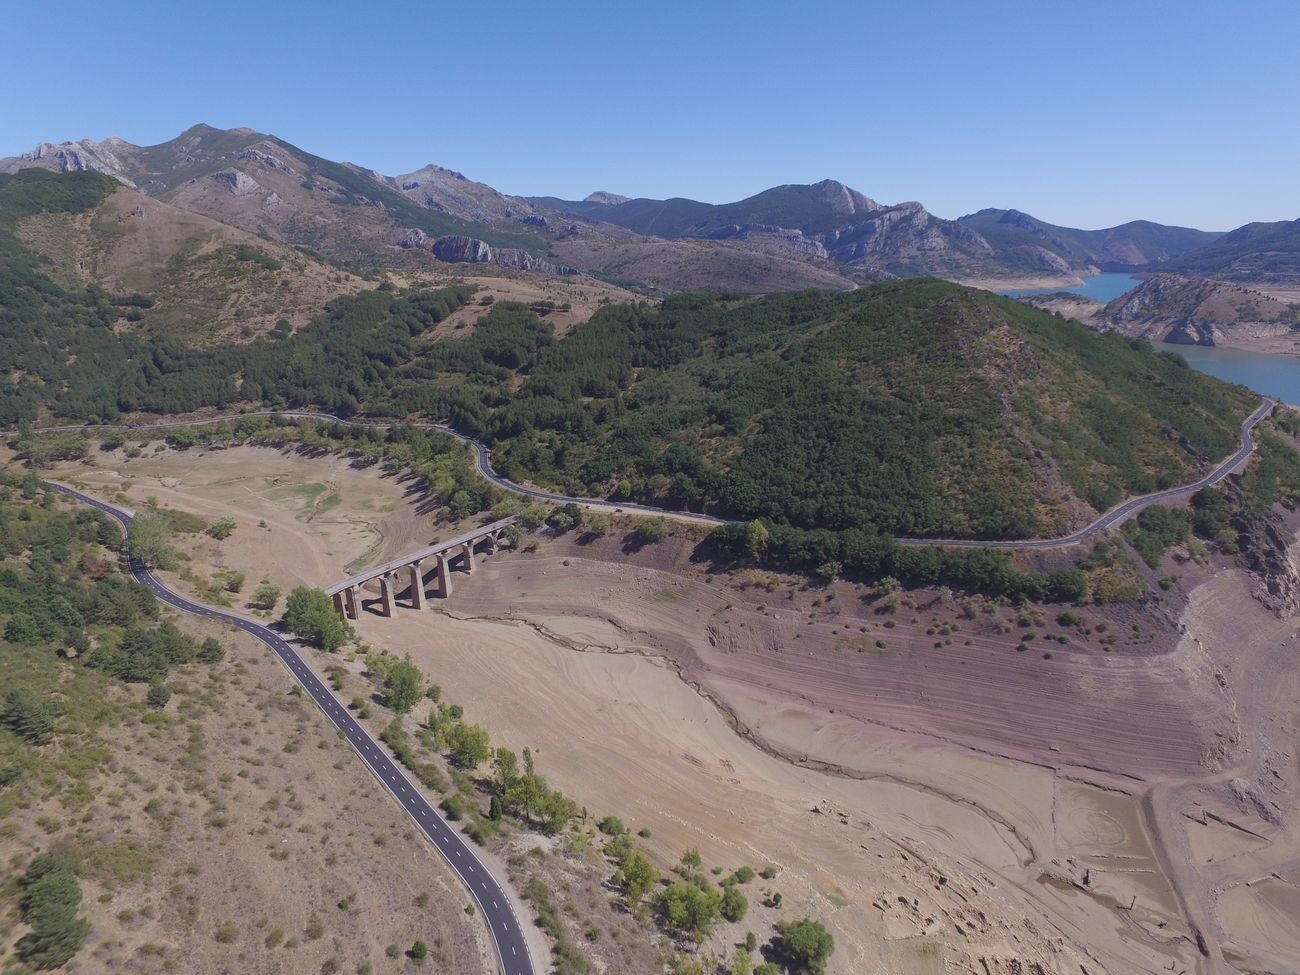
column 376, row 571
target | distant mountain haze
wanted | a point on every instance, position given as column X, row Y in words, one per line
column 824, row 235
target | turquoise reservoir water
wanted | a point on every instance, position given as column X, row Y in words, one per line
column 1276, row 375
column 1100, row 287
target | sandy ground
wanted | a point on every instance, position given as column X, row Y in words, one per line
column 301, row 519
column 1028, row 283
column 960, row 805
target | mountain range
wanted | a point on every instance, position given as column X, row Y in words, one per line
column 824, row 235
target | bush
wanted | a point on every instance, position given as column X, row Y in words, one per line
column 221, row 528
column 734, row 904
column 265, row 596
column 158, row 696
column 611, row 826
column 565, row 518
column 651, row 530
column 30, row 717
column 211, row 652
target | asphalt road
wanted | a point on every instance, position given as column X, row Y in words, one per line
column 494, row 906
column 483, row 464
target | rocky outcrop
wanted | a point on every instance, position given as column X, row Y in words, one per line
column 75, row 157
column 237, row 181
column 448, row 191
column 767, row 235
column 903, row 232
column 265, row 158
column 457, row 249
column 1270, row 554
column 608, row 199
column 413, row 239
column 516, row 258
column 1045, row 260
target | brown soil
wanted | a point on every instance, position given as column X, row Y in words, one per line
column 936, row 805
column 243, row 809
column 133, row 242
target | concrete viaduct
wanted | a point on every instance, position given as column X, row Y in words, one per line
column 408, row 573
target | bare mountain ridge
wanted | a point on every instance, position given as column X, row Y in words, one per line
column 785, row 238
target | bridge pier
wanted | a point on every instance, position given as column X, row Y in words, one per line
column 396, row 575
column 444, row 576
column 417, row 585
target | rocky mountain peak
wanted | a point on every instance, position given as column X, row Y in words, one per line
column 608, row 199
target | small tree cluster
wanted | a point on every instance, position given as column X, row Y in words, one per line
column 51, row 896
column 309, row 614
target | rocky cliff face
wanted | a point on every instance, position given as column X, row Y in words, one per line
column 902, row 233
column 237, row 181
column 74, row 157
column 765, row 235
column 1272, row 556
column 457, row 249
column 524, row 261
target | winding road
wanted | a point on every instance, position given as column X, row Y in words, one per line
column 503, row 925
column 483, row 465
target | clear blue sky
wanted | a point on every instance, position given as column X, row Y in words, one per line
column 1085, row 114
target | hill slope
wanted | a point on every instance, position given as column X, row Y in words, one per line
column 907, row 408
column 1265, row 252
column 1132, row 245
column 264, row 185
column 1199, row 311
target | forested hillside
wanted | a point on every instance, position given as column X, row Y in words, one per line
column 913, row 408
column 908, row 408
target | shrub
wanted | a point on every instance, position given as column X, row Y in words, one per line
column 221, row 528
column 157, row 696
column 734, row 904
column 309, row 614
column 611, row 826
column 651, row 530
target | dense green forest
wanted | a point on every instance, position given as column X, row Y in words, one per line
column 915, row 407
column 912, row 408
